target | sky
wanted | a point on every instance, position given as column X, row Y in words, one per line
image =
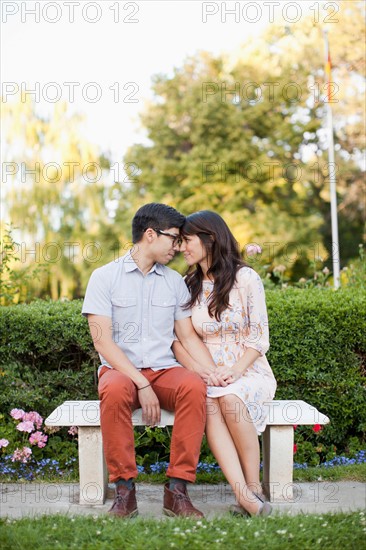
column 101, row 56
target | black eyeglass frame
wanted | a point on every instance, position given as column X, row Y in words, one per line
column 176, row 239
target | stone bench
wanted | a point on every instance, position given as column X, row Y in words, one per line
column 277, row 443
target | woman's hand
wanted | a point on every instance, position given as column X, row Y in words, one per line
column 213, row 379
column 228, row 375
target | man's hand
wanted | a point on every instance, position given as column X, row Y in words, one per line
column 192, row 353
column 150, row 405
column 213, row 378
column 228, row 375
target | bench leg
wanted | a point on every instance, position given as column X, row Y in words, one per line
column 92, row 466
column 278, row 461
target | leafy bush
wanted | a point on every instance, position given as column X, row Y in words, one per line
column 318, row 349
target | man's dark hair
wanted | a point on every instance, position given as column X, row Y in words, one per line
column 156, row 216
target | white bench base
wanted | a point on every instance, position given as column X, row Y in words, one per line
column 277, row 440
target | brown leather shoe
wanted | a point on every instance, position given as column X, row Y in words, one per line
column 178, row 503
column 124, row 505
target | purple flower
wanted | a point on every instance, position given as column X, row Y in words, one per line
column 4, row 443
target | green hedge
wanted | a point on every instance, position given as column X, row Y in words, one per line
column 318, row 349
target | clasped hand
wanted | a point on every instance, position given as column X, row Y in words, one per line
column 222, row 376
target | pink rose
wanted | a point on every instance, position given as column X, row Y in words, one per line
column 17, row 414
column 26, row 426
column 253, row 249
column 34, row 417
column 38, row 438
column 21, row 455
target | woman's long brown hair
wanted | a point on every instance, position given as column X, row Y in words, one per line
column 224, row 253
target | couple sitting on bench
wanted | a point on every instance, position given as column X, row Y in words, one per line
column 195, row 346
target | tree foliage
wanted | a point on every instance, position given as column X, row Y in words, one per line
column 57, row 193
column 244, row 135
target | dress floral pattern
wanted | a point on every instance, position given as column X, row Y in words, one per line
column 243, row 325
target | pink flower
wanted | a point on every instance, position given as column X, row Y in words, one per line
column 38, row 438
column 17, row 414
column 73, row 430
column 317, row 428
column 34, row 417
column 253, row 249
column 21, row 455
column 26, row 426
column 294, row 426
column 295, row 448
column 4, row 443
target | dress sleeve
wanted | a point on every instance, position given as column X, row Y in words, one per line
column 256, row 334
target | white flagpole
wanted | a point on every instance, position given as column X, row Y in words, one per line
column 332, row 182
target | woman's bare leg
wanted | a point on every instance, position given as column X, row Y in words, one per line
column 223, row 448
column 244, row 437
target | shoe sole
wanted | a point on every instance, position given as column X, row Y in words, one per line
column 171, row 514
column 238, row 511
column 265, row 511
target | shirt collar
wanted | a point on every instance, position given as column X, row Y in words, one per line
column 131, row 265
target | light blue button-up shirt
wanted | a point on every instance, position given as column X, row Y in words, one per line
column 142, row 308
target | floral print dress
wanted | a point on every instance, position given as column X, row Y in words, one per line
column 243, row 325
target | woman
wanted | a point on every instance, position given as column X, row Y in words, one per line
column 229, row 313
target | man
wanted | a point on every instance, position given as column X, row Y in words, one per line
column 134, row 305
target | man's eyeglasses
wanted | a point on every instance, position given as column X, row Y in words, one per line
column 176, row 239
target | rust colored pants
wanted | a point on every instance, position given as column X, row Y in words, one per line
column 177, row 389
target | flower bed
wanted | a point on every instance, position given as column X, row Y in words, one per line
column 27, row 448
column 52, row 468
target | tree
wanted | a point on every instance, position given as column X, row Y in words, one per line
column 56, row 193
column 244, row 136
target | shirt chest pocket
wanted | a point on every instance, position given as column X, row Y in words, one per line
column 162, row 309
column 123, row 309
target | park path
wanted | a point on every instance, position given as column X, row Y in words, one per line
column 29, row 499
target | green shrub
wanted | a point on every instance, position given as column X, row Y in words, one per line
column 318, row 349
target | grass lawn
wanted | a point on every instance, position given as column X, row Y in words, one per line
column 343, row 531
